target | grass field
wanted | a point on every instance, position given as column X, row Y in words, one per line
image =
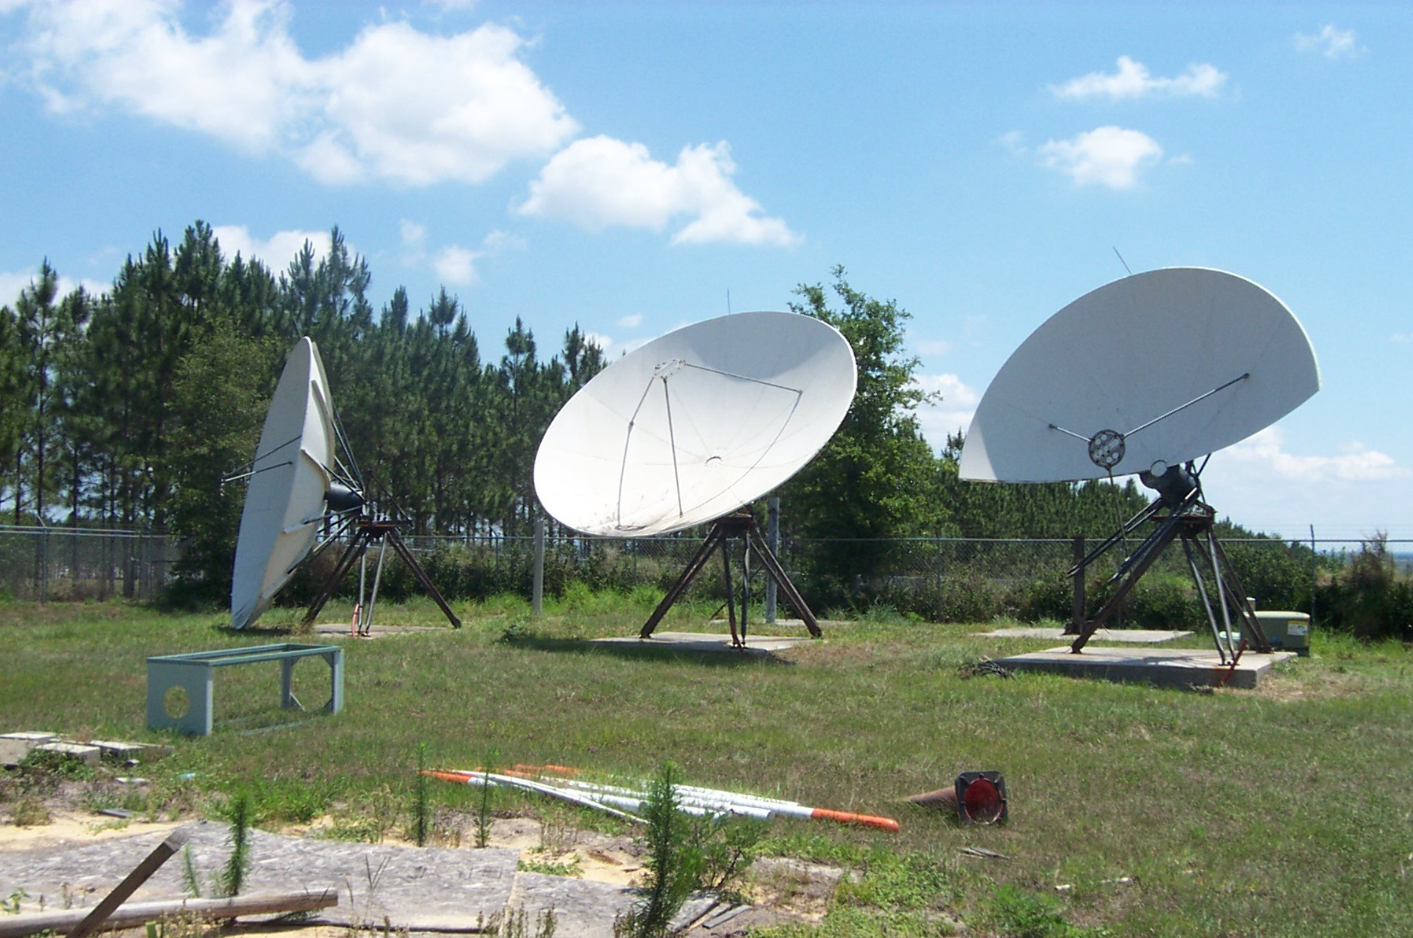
column 1282, row 811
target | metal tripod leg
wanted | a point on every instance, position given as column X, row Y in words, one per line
column 694, row 566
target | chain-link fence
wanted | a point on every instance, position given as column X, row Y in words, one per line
column 44, row 563
column 943, row 578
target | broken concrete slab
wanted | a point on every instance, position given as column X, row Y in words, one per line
column 1165, row 667
column 79, row 752
column 15, row 746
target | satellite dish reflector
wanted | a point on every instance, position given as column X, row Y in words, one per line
column 289, row 479
column 695, row 424
column 1142, row 374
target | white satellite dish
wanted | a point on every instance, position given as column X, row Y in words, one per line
column 1153, row 370
column 692, row 426
column 294, row 486
column 1148, row 374
column 289, row 479
column 695, row 424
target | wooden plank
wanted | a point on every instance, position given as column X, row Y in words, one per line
column 135, row 914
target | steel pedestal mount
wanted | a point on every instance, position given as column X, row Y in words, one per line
column 383, row 533
column 1193, row 521
column 740, row 526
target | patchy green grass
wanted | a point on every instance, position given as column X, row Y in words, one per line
column 1134, row 810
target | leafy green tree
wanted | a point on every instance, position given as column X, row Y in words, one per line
column 14, row 408
column 47, row 332
column 876, row 477
column 216, row 412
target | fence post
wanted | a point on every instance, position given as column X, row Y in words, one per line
column 1079, row 613
column 1314, row 574
column 772, row 540
column 537, row 578
column 43, row 563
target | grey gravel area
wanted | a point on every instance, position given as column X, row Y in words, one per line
column 415, row 889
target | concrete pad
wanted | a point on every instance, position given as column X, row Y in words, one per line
column 1166, row 667
column 89, row 755
column 698, row 642
column 15, row 746
column 1127, row 636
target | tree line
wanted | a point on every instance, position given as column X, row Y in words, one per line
column 128, row 407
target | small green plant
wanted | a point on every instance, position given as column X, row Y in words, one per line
column 1015, row 913
column 11, row 906
column 570, row 867
column 674, row 865
column 483, row 805
column 191, row 876
column 30, row 811
column 421, row 812
column 240, row 813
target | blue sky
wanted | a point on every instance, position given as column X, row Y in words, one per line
column 635, row 166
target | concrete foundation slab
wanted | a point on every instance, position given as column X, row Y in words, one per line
column 89, row 755
column 15, row 746
column 1125, row 636
column 1166, row 667
column 708, row 642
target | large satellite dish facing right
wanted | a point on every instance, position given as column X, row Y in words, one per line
column 1157, row 368
column 1147, row 375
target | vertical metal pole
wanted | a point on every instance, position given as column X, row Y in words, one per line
column 43, row 563
column 772, row 540
column 1314, row 575
column 1079, row 601
column 537, row 578
column 377, row 578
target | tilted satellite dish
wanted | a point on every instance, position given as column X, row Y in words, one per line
column 1146, row 375
column 1155, row 369
column 289, row 480
column 693, row 425
column 296, row 483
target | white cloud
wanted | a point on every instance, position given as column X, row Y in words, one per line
column 1330, row 42
column 1107, row 156
column 933, row 347
column 600, row 182
column 602, row 341
column 412, row 233
column 276, row 252
column 952, row 413
column 1132, row 81
column 498, row 241
column 631, row 321
column 396, row 104
column 456, row 264
column 13, row 283
column 1265, row 453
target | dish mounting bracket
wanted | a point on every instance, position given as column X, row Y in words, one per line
column 1193, row 522
column 384, row 533
column 739, row 526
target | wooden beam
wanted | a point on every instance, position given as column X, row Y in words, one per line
column 136, row 914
